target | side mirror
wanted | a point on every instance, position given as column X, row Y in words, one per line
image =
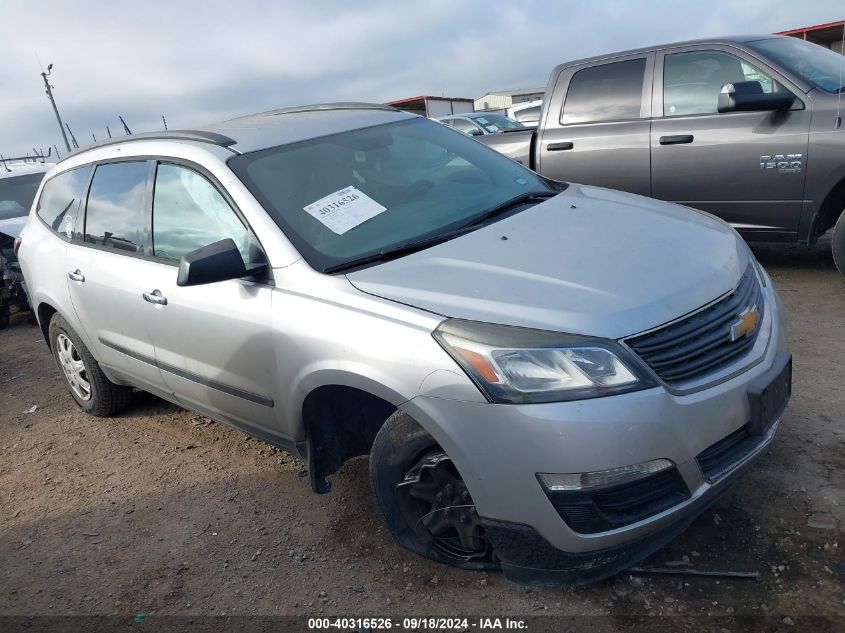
column 216, row 262
column 748, row 96
column 474, row 131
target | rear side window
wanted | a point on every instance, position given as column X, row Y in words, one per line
column 115, row 215
column 61, row 199
column 189, row 213
column 610, row 92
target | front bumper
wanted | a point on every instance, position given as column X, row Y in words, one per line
column 499, row 449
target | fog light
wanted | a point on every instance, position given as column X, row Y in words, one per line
column 562, row 482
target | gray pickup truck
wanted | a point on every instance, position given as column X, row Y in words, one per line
column 746, row 128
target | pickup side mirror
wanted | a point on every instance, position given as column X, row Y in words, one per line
column 748, row 96
column 216, row 262
column 474, row 131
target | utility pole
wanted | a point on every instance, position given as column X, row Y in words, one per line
column 53, row 102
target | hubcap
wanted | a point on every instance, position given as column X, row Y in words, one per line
column 444, row 509
column 71, row 363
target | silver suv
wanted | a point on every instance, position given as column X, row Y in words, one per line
column 549, row 379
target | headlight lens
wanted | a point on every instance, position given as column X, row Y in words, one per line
column 519, row 365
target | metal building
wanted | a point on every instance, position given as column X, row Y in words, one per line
column 433, row 106
column 828, row 35
column 507, row 98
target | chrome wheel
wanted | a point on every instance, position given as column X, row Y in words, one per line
column 71, row 363
column 440, row 506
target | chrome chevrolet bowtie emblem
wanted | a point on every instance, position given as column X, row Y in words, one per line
column 746, row 323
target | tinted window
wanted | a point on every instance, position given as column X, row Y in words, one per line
column 189, row 212
column 816, row 64
column 62, row 198
column 17, row 194
column 496, row 122
column 692, row 81
column 115, row 215
column 610, row 92
column 403, row 182
column 465, row 126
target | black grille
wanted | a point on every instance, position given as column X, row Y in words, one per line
column 700, row 343
column 610, row 508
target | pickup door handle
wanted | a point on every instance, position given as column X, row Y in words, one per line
column 677, row 139
column 76, row 275
column 155, row 297
column 559, row 147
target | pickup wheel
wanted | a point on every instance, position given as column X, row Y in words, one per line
column 838, row 243
column 93, row 392
column 423, row 498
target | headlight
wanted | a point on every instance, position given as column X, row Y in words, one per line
column 517, row 365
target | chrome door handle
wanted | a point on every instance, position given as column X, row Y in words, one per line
column 76, row 275
column 155, row 297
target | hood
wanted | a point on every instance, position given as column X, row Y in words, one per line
column 13, row 226
column 588, row 261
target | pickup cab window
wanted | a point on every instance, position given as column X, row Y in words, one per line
column 609, row 92
column 692, row 80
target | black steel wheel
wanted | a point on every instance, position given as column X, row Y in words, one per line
column 423, row 498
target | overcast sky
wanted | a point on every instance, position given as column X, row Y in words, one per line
column 196, row 62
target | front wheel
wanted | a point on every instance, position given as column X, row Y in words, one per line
column 89, row 386
column 424, row 500
column 838, row 243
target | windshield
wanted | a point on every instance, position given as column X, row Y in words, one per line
column 820, row 66
column 17, row 194
column 496, row 122
column 346, row 196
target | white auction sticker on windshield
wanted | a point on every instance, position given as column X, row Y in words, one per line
column 345, row 209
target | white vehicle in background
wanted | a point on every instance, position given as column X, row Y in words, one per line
column 527, row 113
column 19, row 181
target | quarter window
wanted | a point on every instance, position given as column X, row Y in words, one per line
column 610, row 92
column 692, row 81
column 115, row 215
column 189, row 213
column 61, row 199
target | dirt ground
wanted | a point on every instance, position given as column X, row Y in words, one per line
column 160, row 511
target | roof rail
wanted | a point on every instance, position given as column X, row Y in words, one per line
column 342, row 105
column 199, row 136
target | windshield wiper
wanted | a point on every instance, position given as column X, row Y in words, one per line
column 524, row 198
column 397, row 251
column 418, row 245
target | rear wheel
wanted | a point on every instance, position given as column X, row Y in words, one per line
column 89, row 386
column 5, row 315
column 423, row 498
column 838, row 243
